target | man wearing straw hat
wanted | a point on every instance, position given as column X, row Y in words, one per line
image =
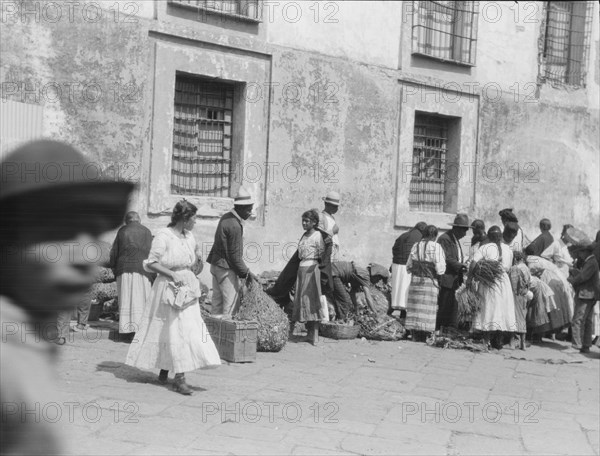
column 328, row 224
column 225, row 257
column 53, row 209
column 455, row 267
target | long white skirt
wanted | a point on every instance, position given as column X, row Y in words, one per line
column 171, row 339
column 133, row 292
column 400, row 283
column 497, row 308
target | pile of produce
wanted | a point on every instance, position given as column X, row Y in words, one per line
column 104, row 293
column 273, row 324
column 461, row 343
column 377, row 325
column 487, row 272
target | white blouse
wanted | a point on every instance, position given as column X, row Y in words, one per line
column 434, row 253
column 490, row 252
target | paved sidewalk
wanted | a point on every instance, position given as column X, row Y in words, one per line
column 344, row 397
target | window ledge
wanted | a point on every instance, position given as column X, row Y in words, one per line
column 440, row 59
column 439, row 219
column 208, row 206
column 215, row 12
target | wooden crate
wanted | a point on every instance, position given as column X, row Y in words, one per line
column 235, row 340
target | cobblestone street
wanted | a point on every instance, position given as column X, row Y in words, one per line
column 343, row 397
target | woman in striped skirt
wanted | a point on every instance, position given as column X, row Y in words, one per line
column 426, row 262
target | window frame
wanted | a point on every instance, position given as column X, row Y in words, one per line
column 221, row 12
column 474, row 12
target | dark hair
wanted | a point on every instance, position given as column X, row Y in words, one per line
column 511, row 229
column 518, row 256
column 132, row 216
column 421, row 226
column 545, row 224
column 478, row 227
column 507, row 214
column 183, row 210
column 495, row 236
column 430, row 233
column 312, row 215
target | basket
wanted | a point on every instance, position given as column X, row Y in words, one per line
column 335, row 331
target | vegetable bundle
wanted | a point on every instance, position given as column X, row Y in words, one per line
column 273, row 324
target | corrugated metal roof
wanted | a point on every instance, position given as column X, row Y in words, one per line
column 19, row 122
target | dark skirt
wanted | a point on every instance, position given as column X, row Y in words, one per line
column 422, row 303
column 307, row 300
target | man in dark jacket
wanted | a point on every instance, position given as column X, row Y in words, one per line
column 455, row 268
column 400, row 276
column 543, row 241
column 225, row 257
column 131, row 247
column 347, row 273
column 587, row 292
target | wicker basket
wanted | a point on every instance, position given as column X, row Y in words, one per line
column 335, row 331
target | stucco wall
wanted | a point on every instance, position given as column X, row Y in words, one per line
column 336, row 103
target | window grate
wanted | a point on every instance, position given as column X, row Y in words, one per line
column 445, row 30
column 566, row 42
column 240, row 8
column 429, row 164
column 201, row 160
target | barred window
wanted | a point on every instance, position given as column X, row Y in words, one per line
column 566, row 42
column 429, row 163
column 245, row 9
column 202, row 136
column 445, row 30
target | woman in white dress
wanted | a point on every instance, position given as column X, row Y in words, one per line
column 170, row 338
column 497, row 312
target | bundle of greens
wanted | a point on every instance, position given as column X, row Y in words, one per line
column 487, row 273
column 468, row 303
column 273, row 324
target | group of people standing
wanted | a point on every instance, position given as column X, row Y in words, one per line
column 546, row 286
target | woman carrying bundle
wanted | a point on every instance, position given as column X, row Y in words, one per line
column 490, row 268
column 309, row 300
column 426, row 262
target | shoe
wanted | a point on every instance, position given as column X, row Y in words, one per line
column 78, row 328
column 576, row 347
column 584, row 350
column 60, row 341
column 179, row 386
column 163, row 377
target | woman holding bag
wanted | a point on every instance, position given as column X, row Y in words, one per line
column 173, row 336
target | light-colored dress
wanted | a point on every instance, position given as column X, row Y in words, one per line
column 497, row 303
column 134, row 293
column 564, row 294
column 172, row 339
column 308, row 298
column 558, row 253
column 422, row 304
column 400, row 282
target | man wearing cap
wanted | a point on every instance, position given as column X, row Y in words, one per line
column 328, row 224
column 586, row 282
column 225, row 257
column 455, row 268
column 51, row 212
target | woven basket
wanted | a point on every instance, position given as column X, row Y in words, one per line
column 335, row 331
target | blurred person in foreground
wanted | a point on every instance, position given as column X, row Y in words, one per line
column 131, row 247
column 52, row 210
